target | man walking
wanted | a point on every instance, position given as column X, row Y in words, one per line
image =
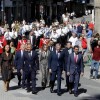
column 75, row 67
column 19, row 62
column 31, row 65
column 55, row 64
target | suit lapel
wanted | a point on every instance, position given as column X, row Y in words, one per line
column 55, row 54
column 28, row 55
column 73, row 58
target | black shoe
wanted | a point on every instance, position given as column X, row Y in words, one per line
column 76, row 94
column 23, row 87
column 67, row 89
column 51, row 90
column 34, row 92
column 28, row 90
column 66, row 85
column 19, row 83
column 62, row 78
column 43, row 85
column 43, row 88
column 70, row 91
column 59, row 93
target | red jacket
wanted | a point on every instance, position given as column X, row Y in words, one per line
column 96, row 54
column 3, row 43
column 20, row 42
column 84, row 43
column 43, row 41
column 91, row 26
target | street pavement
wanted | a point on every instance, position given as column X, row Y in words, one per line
column 88, row 89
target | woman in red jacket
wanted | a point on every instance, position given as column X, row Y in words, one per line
column 3, row 43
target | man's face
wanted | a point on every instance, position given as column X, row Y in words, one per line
column 58, row 47
column 76, row 50
column 51, row 42
column 81, row 38
column 29, row 48
column 74, row 35
column 22, row 47
column 68, row 45
column 31, row 33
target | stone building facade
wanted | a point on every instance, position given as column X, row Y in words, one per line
column 97, row 15
column 35, row 9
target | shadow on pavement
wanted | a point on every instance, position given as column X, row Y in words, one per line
column 82, row 90
column 14, row 87
column 95, row 97
column 39, row 89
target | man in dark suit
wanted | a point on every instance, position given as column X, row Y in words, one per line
column 32, row 39
column 75, row 68
column 19, row 62
column 66, row 52
column 55, row 64
column 51, row 46
column 31, row 65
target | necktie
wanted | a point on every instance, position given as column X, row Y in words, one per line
column 75, row 58
column 29, row 53
column 58, row 54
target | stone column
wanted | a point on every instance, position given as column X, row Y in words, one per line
column 97, row 15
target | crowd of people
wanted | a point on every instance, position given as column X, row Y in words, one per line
column 62, row 48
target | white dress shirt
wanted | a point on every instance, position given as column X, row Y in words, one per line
column 73, row 40
column 7, row 35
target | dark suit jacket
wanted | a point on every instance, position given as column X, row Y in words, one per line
column 31, row 63
column 18, row 60
column 49, row 48
column 54, row 62
column 66, row 55
column 33, row 40
column 72, row 65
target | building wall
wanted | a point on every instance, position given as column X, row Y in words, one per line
column 97, row 15
column 30, row 9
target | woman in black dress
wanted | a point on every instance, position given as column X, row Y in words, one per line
column 6, row 64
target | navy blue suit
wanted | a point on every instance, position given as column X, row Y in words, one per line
column 66, row 55
column 51, row 48
column 55, row 63
column 18, row 63
column 75, row 69
column 31, row 65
